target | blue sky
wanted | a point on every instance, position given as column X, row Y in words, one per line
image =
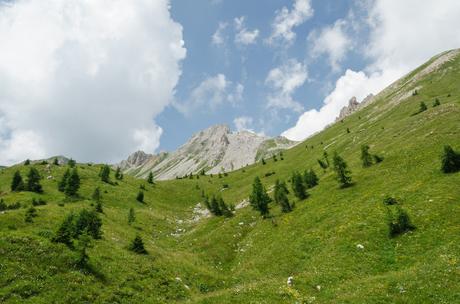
column 248, row 65
column 98, row 80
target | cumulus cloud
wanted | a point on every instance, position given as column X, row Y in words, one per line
column 286, row 20
column 218, row 37
column 211, row 93
column 283, row 82
column 331, row 41
column 243, row 35
column 402, row 35
column 85, row 78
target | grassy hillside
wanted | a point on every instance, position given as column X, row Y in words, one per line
column 248, row 259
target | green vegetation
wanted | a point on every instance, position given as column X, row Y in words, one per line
column 341, row 169
column 450, row 161
column 337, row 245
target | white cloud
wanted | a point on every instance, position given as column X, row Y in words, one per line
column 286, row 20
column 218, row 37
column 243, row 123
column 243, row 35
column 331, row 41
column 85, row 78
column 402, row 35
column 211, row 93
column 284, row 81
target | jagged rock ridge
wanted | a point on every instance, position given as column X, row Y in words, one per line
column 216, row 149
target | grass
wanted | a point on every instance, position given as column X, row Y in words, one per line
column 247, row 259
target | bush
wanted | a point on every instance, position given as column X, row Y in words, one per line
column 436, row 103
column 140, row 197
column 390, row 201
column 398, row 222
column 450, row 160
column 137, row 245
column 30, row 214
column 268, row 174
column 3, row 206
column 38, row 202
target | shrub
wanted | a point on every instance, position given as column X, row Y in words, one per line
column 30, row 214
column 71, row 163
column 390, row 201
column 150, row 179
column 268, row 174
column 398, row 222
column 263, row 161
column 3, row 206
column 27, row 162
column 450, row 160
column 38, row 202
column 118, row 174
column 96, row 195
column 140, row 197
column 137, row 245
column 436, row 103
column 377, row 158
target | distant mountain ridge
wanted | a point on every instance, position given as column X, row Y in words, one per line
column 215, row 149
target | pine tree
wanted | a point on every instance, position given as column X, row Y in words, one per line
column 348, row 130
column 118, row 174
column 326, row 157
column 150, row 179
column 73, row 183
column 30, row 214
column 99, row 207
column 224, row 208
column 131, row 216
column 423, row 107
column 322, row 164
column 310, row 178
column 84, row 242
column 27, row 162
column 90, row 222
column 104, row 174
column 140, row 196
column 96, row 195
column 298, row 186
column 398, row 221
column 137, row 245
column 263, row 161
column 214, row 206
column 366, row 157
column 259, row 198
column 66, row 231
column 450, row 160
column 63, row 182
column 56, row 161
column 436, row 103
column 71, row 163
column 343, row 174
column 281, row 198
column 17, row 184
column 33, row 181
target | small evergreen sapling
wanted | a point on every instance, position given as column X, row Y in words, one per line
column 72, row 183
column 131, row 216
column 341, row 169
column 33, row 181
column 56, row 161
column 17, row 184
column 366, row 157
column 96, row 195
column 137, row 245
column 436, row 103
column 104, row 174
column 27, row 162
column 298, row 186
column 66, row 231
column 310, row 178
column 118, row 174
column 398, row 221
column 140, row 196
column 71, row 163
column 450, row 160
column 280, row 194
column 83, row 244
column 63, row 182
column 30, row 214
column 259, row 198
column 150, row 178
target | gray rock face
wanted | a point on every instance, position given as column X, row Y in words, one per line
column 347, row 110
column 213, row 150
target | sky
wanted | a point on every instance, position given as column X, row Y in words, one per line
column 97, row 80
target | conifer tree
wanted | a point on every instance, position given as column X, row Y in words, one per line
column 259, row 198
column 66, row 231
column 224, row 208
column 450, row 160
column 104, row 174
column 298, row 186
column 366, row 157
column 131, row 216
column 118, row 174
column 281, row 198
column 423, row 107
column 56, row 161
column 322, row 164
column 27, row 162
column 214, row 206
column 137, row 245
column 343, row 174
column 30, row 214
column 63, row 182
column 72, row 183
column 310, row 178
column 436, row 103
column 96, row 195
column 71, row 163
column 263, row 161
column 84, row 242
column 140, row 196
column 99, row 207
column 90, row 222
column 33, row 181
column 398, row 221
column 326, row 157
column 17, row 184
column 150, row 178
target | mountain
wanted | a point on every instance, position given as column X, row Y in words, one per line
column 214, row 150
column 334, row 246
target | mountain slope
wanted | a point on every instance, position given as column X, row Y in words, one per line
column 213, row 150
column 194, row 258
